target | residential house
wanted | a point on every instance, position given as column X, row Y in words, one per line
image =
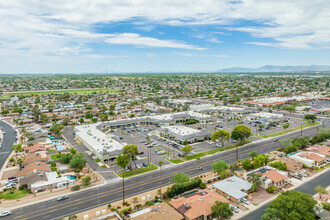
column 197, row 205
column 233, row 188
column 309, row 158
column 321, row 149
column 34, row 148
column 31, row 168
column 52, row 180
column 270, row 176
column 292, row 165
column 35, row 157
column 159, row 211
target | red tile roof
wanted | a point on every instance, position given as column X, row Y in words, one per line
column 312, row 156
column 274, row 176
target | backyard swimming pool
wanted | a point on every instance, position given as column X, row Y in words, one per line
column 70, row 177
column 59, row 147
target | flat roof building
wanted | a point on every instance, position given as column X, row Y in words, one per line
column 183, row 133
column 265, row 116
column 101, row 145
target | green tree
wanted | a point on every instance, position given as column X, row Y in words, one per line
column 221, row 135
column 286, row 142
column 317, row 139
column 221, row 210
column 325, row 132
column 233, row 167
column 247, row 164
column 180, row 178
column 259, row 161
column 44, row 118
column 73, row 151
column 253, row 154
column 320, row 190
column 17, row 148
column 65, row 158
column 240, row 133
column 66, row 122
column 285, row 126
column 19, row 162
column 104, row 117
column 78, row 161
column 36, row 113
column 86, row 180
column 219, row 166
column 300, row 142
column 292, row 205
column 131, row 150
column 122, row 162
column 310, row 118
column 187, row 149
column 279, row 165
column 290, row 149
column 255, row 178
column 56, row 129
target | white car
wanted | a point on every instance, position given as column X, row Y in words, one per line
column 235, row 208
column 219, row 145
column 244, row 200
column 5, row 213
column 199, row 168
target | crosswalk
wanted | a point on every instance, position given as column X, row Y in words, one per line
column 6, row 152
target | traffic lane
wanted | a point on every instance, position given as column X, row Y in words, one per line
column 307, row 188
column 140, row 184
column 9, row 138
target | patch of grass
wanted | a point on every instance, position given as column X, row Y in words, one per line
column 176, row 161
column 139, row 171
column 195, row 156
column 56, row 156
column 98, row 160
column 70, row 91
column 51, row 151
column 104, row 166
column 290, row 130
column 15, row 195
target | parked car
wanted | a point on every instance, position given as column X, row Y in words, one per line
column 275, row 140
column 138, row 166
column 219, row 145
column 12, row 177
column 180, row 155
column 5, row 213
column 235, row 208
column 303, row 174
column 40, row 190
column 244, row 200
column 141, row 152
column 62, row 198
column 145, row 165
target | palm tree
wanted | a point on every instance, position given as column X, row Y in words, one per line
column 160, row 163
column 122, row 161
column 19, row 162
column 197, row 160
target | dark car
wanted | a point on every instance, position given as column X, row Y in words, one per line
column 180, row 155
column 141, row 152
column 275, row 140
column 145, row 165
column 11, row 177
column 62, row 198
column 40, row 190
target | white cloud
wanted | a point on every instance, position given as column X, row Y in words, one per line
column 35, row 27
column 136, row 39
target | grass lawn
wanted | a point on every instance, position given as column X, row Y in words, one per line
column 176, row 161
column 56, row 156
column 70, row 91
column 195, row 156
column 51, row 151
column 16, row 195
column 138, row 171
column 290, row 130
column 104, row 166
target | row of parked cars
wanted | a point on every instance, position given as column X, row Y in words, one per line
column 299, row 175
column 11, row 184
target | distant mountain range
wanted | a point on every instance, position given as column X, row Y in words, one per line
column 270, row 68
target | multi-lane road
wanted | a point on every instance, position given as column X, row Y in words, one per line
column 111, row 192
column 9, row 138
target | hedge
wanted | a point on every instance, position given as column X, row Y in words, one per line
column 183, row 187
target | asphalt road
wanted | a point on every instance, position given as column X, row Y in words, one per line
column 7, row 143
column 111, row 192
column 308, row 187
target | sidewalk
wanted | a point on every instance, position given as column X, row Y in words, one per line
column 253, row 207
column 30, row 199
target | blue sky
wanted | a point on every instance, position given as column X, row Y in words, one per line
column 161, row 36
